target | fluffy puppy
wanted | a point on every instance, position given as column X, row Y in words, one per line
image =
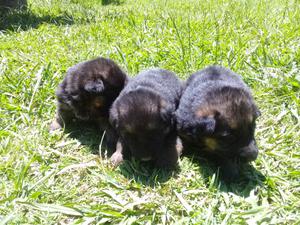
column 87, row 92
column 143, row 116
column 216, row 116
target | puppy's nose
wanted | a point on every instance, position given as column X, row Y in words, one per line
column 249, row 153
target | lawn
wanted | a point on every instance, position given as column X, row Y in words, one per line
column 60, row 178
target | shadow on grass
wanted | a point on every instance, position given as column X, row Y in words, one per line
column 24, row 20
column 112, row 2
column 247, row 181
column 90, row 136
column 145, row 173
column 90, row 4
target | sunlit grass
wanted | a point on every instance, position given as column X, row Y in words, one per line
column 58, row 178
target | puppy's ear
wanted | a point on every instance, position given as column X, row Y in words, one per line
column 199, row 127
column 205, row 121
column 94, row 86
column 206, row 125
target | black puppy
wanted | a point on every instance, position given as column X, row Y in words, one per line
column 216, row 115
column 143, row 116
column 87, row 93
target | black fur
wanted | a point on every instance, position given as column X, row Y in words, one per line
column 87, row 92
column 143, row 116
column 216, row 116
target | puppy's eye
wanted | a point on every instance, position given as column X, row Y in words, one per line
column 228, row 136
column 75, row 97
column 225, row 133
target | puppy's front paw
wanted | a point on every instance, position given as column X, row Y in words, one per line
column 179, row 146
column 55, row 125
column 116, row 159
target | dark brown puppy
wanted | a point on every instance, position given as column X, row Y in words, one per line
column 87, row 92
column 143, row 116
column 216, row 116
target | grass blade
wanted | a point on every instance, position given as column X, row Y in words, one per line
column 53, row 208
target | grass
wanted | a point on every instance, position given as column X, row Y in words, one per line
column 60, row 179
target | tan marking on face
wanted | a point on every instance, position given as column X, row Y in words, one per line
column 232, row 123
column 235, row 123
column 98, row 102
column 204, row 112
column 211, row 143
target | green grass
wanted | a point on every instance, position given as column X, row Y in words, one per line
column 58, row 179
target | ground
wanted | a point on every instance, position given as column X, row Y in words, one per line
column 61, row 179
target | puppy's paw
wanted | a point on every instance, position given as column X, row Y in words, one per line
column 55, row 125
column 116, row 159
column 179, row 146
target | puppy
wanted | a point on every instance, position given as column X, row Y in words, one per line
column 87, row 92
column 143, row 116
column 216, row 116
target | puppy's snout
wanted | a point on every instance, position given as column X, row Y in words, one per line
column 249, row 153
